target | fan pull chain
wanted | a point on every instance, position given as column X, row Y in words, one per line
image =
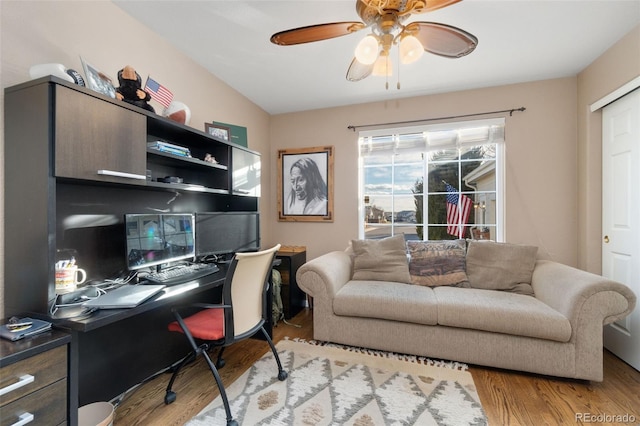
column 399, row 66
column 386, row 73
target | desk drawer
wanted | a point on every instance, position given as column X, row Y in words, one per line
column 47, row 405
column 46, row 368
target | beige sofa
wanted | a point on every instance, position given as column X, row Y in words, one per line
column 557, row 331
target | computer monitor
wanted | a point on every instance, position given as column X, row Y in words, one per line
column 155, row 239
column 225, row 233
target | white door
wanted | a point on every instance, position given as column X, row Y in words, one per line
column 621, row 216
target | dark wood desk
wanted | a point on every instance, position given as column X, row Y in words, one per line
column 115, row 349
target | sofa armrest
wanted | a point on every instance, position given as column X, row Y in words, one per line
column 322, row 277
column 579, row 294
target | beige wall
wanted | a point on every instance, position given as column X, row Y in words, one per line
column 541, row 169
column 553, row 158
column 617, row 66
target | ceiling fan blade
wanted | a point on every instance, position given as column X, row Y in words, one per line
column 315, row 33
column 444, row 40
column 358, row 71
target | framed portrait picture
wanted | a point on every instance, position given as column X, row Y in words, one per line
column 305, row 184
column 219, row 131
column 97, row 80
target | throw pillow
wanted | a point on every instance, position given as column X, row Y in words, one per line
column 381, row 260
column 501, row 266
column 436, row 263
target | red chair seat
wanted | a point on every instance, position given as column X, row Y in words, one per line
column 207, row 324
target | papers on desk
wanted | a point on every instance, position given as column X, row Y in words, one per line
column 23, row 327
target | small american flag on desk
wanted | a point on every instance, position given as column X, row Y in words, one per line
column 158, row 92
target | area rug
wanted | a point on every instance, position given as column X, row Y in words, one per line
column 341, row 385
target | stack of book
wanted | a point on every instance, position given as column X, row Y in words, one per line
column 169, row 148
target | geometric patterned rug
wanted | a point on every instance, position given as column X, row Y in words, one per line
column 340, row 385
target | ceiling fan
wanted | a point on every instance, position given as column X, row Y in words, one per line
column 386, row 18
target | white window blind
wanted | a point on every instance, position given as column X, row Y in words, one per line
column 431, row 137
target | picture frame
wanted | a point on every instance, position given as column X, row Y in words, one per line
column 238, row 134
column 218, row 131
column 305, row 184
column 97, row 81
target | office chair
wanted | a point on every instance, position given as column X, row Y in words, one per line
column 241, row 315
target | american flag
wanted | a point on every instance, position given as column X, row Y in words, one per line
column 158, row 92
column 458, row 210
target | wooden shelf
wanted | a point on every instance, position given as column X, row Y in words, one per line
column 186, row 187
column 190, row 160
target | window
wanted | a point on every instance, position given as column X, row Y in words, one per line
column 435, row 182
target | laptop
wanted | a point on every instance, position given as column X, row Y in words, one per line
column 127, row 296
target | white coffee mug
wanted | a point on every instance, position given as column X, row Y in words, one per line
column 67, row 279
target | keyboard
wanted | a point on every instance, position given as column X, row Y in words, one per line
column 182, row 274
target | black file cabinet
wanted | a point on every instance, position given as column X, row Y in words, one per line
column 293, row 299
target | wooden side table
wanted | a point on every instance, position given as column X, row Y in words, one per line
column 35, row 383
column 293, row 299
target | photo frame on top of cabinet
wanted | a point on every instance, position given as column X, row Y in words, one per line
column 305, row 184
column 97, row 80
column 218, row 131
column 238, row 134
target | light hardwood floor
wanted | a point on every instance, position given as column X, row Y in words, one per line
column 508, row 398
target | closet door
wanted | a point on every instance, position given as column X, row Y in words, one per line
column 621, row 216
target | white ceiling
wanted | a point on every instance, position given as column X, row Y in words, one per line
column 519, row 40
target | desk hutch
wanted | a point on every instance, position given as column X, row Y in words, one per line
column 76, row 162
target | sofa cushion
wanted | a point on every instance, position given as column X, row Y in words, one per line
column 387, row 300
column 501, row 266
column 438, row 262
column 381, row 260
column 500, row 312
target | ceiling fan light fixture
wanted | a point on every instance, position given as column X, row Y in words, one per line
column 383, row 67
column 367, row 50
column 410, row 49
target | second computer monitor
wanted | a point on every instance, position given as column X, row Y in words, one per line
column 225, row 233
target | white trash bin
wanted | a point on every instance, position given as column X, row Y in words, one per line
column 96, row 414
